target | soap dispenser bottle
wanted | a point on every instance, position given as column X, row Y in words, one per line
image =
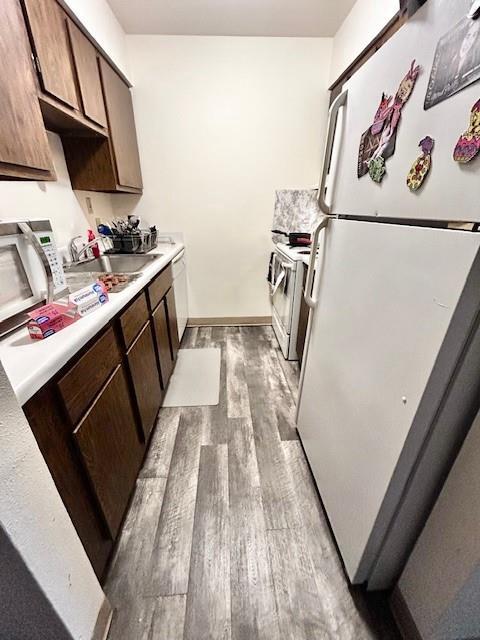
column 95, row 249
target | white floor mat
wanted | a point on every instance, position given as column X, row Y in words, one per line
column 196, row 379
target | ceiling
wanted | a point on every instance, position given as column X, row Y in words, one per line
column 305, row 18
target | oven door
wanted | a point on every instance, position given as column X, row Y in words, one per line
column 282, row 290
column 20, row 284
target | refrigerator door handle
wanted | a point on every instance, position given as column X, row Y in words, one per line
column 339, row 102
column 309, row 299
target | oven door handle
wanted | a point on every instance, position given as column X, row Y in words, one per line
column 309, row 299
column 271, row 279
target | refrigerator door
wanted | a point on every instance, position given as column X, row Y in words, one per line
column 386, row 297
column 451, row 191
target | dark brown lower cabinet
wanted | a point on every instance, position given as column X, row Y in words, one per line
column 92, row 420
column 53, row 433
column 172, row 322
column 146, row 383
column 160, row 322
column 110, row 449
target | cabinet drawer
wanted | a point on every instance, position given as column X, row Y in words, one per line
column 159, row 287
column 81, row 384
column 145, row 378
column 160, row 323
column 133, row 319
column 110, row 449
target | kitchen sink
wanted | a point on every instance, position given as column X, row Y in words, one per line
column 115, row 263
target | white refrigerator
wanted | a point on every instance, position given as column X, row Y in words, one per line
column 391, row 378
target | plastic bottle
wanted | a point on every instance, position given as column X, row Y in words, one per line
column 95, row 249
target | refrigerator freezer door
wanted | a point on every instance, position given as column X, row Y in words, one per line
column 451, row 191
column 386, row 295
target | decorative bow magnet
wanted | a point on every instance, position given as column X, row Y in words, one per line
column 468, row 144
column 422, row 164
column 380, row 138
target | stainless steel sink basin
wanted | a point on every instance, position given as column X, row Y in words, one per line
column 115, row 263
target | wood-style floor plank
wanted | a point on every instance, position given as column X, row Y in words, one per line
column 254, row 612
column 218, row 420
column 238, row 405
column 204, row 337
column 279, row 500
column 189, row 338
column 157, row 460
column 259, row 344
column 298, row 601
column 291, row 371
column 171, row 553
column 130, row 571
column 168, row 618
column 208, row 601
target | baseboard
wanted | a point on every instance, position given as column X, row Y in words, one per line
column 236, row 321
column 403, row 617
column 104, row 620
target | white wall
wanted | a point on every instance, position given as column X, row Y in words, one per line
column 54, row 200
column 441, row 579
column 100, row 21
column 34, row 517
column 222, row 122
column 365, row 21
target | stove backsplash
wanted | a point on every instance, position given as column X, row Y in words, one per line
column 296, row 211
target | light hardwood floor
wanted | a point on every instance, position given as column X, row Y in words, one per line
column 225, row 537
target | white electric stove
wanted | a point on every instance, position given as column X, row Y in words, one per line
column 286, row 280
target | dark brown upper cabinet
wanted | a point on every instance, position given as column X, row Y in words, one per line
column 121, row 123
column 48, row 27
column 111, row 165
column 68, row 87
column 86, row 65
column 24, row 150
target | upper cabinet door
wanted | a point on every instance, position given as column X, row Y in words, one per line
column 121, row 124
column 48, row 27
column 24, row 150
column 88, row 74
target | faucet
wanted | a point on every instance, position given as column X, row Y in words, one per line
column 76, row 253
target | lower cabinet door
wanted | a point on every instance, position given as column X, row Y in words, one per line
column 172, row 322
column 160, row 322
column 110, row 448
column 146, row 383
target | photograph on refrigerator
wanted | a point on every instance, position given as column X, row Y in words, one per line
column 457, row 62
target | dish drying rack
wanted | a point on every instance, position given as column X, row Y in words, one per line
column 139, row 241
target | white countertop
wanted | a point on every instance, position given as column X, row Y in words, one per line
column 29, row 364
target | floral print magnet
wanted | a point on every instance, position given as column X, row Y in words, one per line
column 468, row 144
column 421, row 166
column 379, row 140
